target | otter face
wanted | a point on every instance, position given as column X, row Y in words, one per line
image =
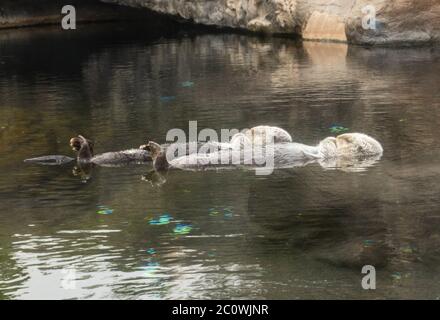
column 145, row 147
column 83, row 146
column 75, row 143
column 152, row 147
column 160, row 162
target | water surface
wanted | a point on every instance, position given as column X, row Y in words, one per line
column 298, row 233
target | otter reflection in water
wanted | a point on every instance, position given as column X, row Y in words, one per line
column 348, row 152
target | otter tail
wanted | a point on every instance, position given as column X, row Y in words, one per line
column 52, row 160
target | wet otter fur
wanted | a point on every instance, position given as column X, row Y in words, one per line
column 350, row 145
column 85, row 154
column 158, row 155
column 345, row 149
column 259, row 135
column 84, row 149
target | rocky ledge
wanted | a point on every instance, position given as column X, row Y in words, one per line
column 353, row 21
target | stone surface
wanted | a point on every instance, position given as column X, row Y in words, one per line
column 397, row 21
column 275, row 16
column 324, row 26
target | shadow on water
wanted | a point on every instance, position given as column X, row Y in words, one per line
column 298, row 233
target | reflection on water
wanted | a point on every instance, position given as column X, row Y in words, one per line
column 299, row 233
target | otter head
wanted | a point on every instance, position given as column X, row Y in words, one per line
column 154, row 148
column 82, row 146
column 75, row 144
column 158, row 155
column 350, row 152
column 357, row 145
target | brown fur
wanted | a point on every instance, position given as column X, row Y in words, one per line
column 83, row 147
column 160, row 162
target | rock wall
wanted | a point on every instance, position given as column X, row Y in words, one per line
column 274, row 16
column 397, row 21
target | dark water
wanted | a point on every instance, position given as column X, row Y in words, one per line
column 298, row 233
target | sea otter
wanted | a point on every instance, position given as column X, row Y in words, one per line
column 84, row 149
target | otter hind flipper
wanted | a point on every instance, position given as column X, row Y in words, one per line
column 52, row 160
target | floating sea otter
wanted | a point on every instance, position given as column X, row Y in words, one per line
column 84, row 149
column 345, row 149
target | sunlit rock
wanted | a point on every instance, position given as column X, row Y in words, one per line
column 360, row 21
column 324, row 26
